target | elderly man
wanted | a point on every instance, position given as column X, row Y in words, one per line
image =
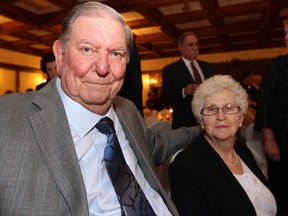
column 74, row 147
column 181, row 78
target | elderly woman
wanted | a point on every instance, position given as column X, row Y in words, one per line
column 217, row 174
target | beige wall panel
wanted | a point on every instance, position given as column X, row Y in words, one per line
column 29, row 80
column 158, row 64
column 7, row 80
column 20, row 59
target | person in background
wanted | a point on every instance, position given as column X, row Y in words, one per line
column 246, row 80
column 29, row 89
column 8, row 91
column 217, row 174
column 272, row 120
column 151, row 101
column 253, row 91
column 132, row 86
column 181, row 78
column 51, row 144
column 48, row 66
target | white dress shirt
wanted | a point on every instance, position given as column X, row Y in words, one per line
column 89, row 145
column 188, row 65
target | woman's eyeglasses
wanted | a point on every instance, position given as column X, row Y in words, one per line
column 227, row 109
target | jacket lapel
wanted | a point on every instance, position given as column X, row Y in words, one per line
column 54, row 137
column 186, row 73
column 133, row 129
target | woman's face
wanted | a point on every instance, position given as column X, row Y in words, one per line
column 221, row 126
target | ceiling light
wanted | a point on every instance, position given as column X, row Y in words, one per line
column 186, row 7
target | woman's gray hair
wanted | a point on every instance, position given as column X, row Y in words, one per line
column 93, row 9
column 215, row 84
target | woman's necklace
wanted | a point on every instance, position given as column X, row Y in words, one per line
column 235, row 163
column 222, row 156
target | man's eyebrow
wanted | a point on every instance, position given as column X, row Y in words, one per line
column 119, row 49
column 85, row 42
column 194, row 43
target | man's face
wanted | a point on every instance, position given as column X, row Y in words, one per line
column 93, row 65
column 190, row 48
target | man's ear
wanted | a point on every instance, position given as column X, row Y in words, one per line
column 58, row 52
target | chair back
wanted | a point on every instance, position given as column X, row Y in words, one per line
column 255, row 143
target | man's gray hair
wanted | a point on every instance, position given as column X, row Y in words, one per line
column 93, row 9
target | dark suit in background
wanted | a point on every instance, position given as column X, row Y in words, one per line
column 272, row 119
column 175, row 77
column 132, row 86
column 178, row 83
column 48, row 66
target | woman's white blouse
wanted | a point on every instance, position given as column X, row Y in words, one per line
column 260, row 196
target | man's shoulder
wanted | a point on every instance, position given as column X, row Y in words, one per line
column 38, row 87
column 204, row 62
column 280, row 62
column 16, row 104
column 123, row 103
column 280, row 58
column 175, row 63
column 206, row 67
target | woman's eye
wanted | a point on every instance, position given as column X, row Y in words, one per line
column 211, row 109
column 229, row 107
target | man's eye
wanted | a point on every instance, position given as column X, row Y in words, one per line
column 117, row 54
column 86, row 50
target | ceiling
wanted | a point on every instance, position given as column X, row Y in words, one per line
column 31, row 26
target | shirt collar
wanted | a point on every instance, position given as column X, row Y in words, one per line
column 187, row 62
column 81, row 119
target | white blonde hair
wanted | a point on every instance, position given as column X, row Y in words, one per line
column 218, row 83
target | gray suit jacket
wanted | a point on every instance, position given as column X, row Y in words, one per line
column 39, row 169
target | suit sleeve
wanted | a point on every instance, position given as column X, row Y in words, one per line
column 192, row 203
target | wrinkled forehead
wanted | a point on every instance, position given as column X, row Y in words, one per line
column 190, row 39
column 96, row 26
column 219, row 94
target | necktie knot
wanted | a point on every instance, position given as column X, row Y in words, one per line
column 105, row 126
column 197, row 77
